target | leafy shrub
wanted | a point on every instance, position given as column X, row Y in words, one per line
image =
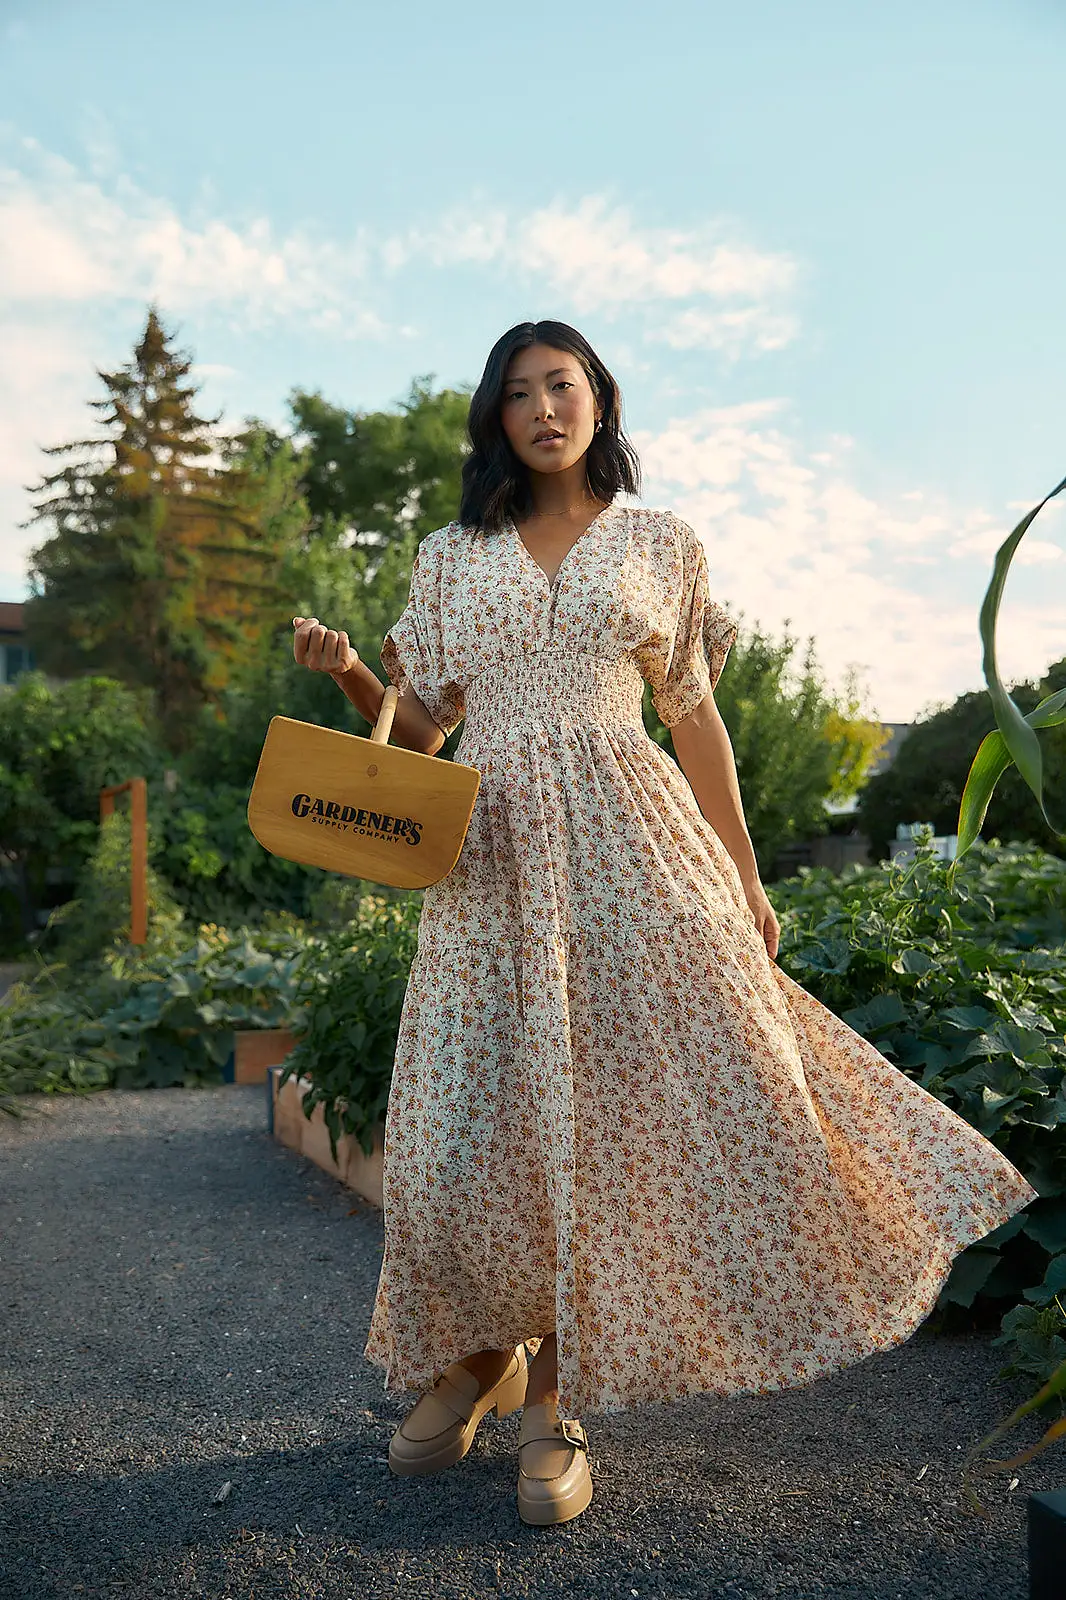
column 60, row 744
column 965, row 992
column 138, row 1021
column 351, row 991
column 219, row 871
column 1036, row 1337
column 335, row 902
column 98, row 918
column 928, row 773
column 176, row 1023
column 49, row 1041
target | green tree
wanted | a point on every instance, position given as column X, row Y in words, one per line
column 166, row 540
column 60, row 744
column 928, row 774
column 97, row 919
column 796, row 745
column 350, row 588
column 373, row 484
column 373, row 475
column 202, row 841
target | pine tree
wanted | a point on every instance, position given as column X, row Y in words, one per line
column 160, row 570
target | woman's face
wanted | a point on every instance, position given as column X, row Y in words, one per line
column 548, row 410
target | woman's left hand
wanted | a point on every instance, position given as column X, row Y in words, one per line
column 766, row 923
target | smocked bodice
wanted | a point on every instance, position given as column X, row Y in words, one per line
column 555, row 691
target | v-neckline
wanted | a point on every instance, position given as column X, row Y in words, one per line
column 552, row 583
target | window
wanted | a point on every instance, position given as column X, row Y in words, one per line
column 14, row 659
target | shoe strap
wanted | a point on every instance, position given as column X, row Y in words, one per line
column 445, row 1391
column 569, row 1428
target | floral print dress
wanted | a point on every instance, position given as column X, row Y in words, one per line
column 611, row 1114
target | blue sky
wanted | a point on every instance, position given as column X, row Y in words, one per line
column 821, row 248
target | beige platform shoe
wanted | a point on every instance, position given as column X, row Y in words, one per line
column 440, row 1428
column 554, row 1482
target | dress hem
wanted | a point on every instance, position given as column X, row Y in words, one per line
column 938, row 1262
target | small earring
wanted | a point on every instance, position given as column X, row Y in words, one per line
column 598, row 426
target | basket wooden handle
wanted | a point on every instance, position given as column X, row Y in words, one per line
column 386, row 712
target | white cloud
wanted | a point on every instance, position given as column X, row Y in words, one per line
column 81, row 247
column 595, row 255
column 792, row 540
column 42, row 400
column 69, row 238
column 77, row 253
column 66, row 239
column 756, row 328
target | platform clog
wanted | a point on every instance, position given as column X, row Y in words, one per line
column 554, row 1481
column 439, row 1429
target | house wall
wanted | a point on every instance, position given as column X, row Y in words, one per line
column 16, row 657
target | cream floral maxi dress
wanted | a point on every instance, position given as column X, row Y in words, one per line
column 611, row 1114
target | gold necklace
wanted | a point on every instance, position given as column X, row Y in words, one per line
column 569, row 512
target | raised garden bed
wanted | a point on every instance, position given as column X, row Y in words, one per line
column 255, row 1051
column 310, row 1137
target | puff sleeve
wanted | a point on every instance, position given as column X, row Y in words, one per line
column 684, row 661
column 414, row 651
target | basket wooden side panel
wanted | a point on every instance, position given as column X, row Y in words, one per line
column 360, row 808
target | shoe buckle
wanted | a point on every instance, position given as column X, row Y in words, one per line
column 573, row 1432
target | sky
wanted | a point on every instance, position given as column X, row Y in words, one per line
column 820, row 247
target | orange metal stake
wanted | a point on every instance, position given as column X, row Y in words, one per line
column 138, row 792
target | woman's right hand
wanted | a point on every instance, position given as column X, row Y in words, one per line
column 322, row 649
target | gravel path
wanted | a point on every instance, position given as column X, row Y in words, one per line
column 184, row 1306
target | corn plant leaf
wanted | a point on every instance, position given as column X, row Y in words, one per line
column 1016, row 739
column 991, row 761
column 1056, row 1431
column 1053, row 1389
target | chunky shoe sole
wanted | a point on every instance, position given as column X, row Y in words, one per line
column 545, row 1501
column 413, row 1457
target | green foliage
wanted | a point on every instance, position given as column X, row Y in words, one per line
column 218, row 871
column 1036, row 1338
column 201, row 838
column 796, row 745
column 382, row 472
column 1015, row 738
column 202, row 844
column 160, row 565
column 98, row 918
column 351, row 992
column 147, row 1020
column 63, row 742
column 50, row 1040
column 964, row 989
column 176, row 1022
column 929, row 769
column 936, row 980
column 60, row 744
column 337, row 903
column 348, row 589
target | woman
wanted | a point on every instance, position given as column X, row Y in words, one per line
column 617, row 1132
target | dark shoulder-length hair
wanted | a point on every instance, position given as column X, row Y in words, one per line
column 496, row 488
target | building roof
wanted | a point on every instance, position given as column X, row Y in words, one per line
column 11, row 617
column 891, row 750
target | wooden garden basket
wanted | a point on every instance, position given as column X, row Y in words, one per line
column 361, row 807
